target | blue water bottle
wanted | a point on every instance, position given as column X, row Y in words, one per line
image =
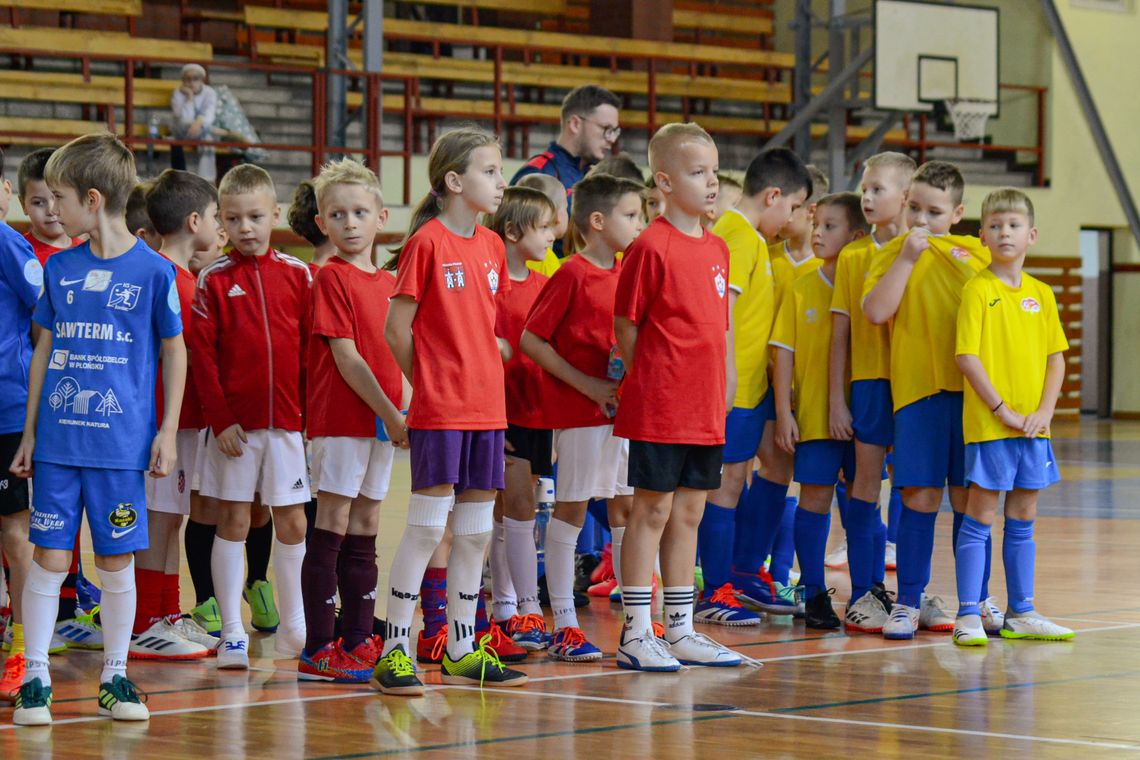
column 545, row 499
column 615, row 371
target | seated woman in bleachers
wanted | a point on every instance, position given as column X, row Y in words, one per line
column 195, row 105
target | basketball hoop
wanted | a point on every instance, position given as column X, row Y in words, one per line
column 969, row 117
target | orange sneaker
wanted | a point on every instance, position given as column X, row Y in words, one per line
column 605, row 569
column 603, row 588
column 658, row 629
column 430, row 650
column 368, row 651
column 13, row 677
column 502, row 644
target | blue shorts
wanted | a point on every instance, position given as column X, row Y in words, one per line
column 871, row 413
column 929, row 449
column 818, row 462
column 743, row 429
column 114, row 500
column 1027, row 464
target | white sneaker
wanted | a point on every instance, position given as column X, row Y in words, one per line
column 58, row 644
column 992, row 617
column 1033, row 626
column 81, row 632
column 902, row 624
column 933, row 615
column 891, row 557
column 119, row 699
column 162, row 642
column 289, row 642
column 969, row 631
column 866, row 615
column 646, row 652
column 837, row 558
column 189, row 629
column 233, row 652
column 698, row 649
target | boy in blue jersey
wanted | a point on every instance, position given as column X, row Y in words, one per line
column 108, row 308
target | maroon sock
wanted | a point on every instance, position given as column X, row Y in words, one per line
column 357, row 582
column 318, row 588
column 482, row 624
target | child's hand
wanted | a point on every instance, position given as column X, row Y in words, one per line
column 916, row 243
column 1037, row 423
column 839, row 422
column 787, row 433
column 21, row 465
column 1011, row 418
column 231, row 439
column 603, row 393
column 163, row 455
column 397, row 430
column 505, row 349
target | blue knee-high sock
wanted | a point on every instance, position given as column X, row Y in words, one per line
column 894, row 511
column 970, row 563
column 811, row 544
column 861, row 519
column 784, row 548
column 879, row 559
column 842, row 502
column 958, row 516
column 1019, row 552
column 714, row 541
column 757, row 524
column 916, row 544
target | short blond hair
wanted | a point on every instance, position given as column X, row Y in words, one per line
column 246, row 178
column 1007, row 200
column 346, row 172
column 549, row 186
column 95, row 162
column 902, row 164
column 670, row 137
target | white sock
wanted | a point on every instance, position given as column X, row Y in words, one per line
column 117, row 616
column 636, row 602
column 523, row 560
column 227, row 564
column 616, row 536
column 678, row 611
column 427, row 520
column 471, row 525
column 503, row 603
column 287, row 560
column 561, row 540
column 41, row 607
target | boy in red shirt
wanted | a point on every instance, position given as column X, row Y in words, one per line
column 570, row 335
column 46, row 235
column 354, row 423
column 671, row 321
column 250, row 338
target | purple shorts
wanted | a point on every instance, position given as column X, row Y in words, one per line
column 468, row 459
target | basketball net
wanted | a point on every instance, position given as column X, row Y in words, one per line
column 969, row 118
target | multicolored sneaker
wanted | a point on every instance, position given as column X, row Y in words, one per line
column 162, row 642
column 262, row 607
column 699, row 579
column 968, row 631
column 529, row 632
column 932, row 615
column 332, row 663
column 13, row 678
column 902, row 624
column 993, row 619
column 481, row 666
column 837, row 558
column 504, row 646
column 119, row 699
column 605, row 568
column 865, row 615
column 208, row 616
column 430, row 649
column 87, row 594
column 570, row 645
column 1032, row 626
column 722, row 608
column 233, row 652
column 33, row 704
column 81, row 632
column 792, row 594
column 396, row 674
column 603, row 588
column 759, row 591
column 615, row 593
column 368, row 651
column 646, row 652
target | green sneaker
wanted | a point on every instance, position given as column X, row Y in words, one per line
column 262, row 609
column 33, row 704
column 396, row 674
column 208, row 616
column 699, row 579
column 482, row 666
column 120, row 699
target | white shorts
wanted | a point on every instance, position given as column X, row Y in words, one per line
column 352, row 466
column 172, row 493
column 592, row 464
column 272, row 464
column 200, row 458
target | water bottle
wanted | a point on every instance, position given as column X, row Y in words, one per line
column 615, row 371
column 545, row 499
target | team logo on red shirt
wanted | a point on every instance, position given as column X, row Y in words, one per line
column 454, row 277
column 960, row 253
column 1030, row 305
column 719, row 281
column 493, row 280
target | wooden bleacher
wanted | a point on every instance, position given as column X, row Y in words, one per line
column 48, row 40
column 130, row 10
column 1063, row 274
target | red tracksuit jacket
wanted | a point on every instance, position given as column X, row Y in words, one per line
column 249, row 339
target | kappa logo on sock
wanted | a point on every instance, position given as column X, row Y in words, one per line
column 403, row 594
column 468, row 597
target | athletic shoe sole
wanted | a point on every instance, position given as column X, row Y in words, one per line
column 976, row 642
column 467, row 681
column 631, row 663
column 771, row 609
column 849, row 628
column 132, row 655
column 1037, row 636
column 398, row 691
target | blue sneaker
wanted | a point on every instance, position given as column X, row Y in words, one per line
column 722, row 608
column 87, row 593
column 528, row 631
column 570, row 645
column 615, row 595
column 759, row 592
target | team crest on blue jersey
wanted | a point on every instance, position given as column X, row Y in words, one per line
column 124, row 296
column 34, row 273
column 454, row 277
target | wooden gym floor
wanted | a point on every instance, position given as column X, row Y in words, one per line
column 818, row 694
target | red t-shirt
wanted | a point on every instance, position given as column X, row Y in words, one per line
column 43, row 250
column 523, row 376
column 349, row 303
column 674, row 288
column 457, row 371
column 191, row 417
column 575, row 314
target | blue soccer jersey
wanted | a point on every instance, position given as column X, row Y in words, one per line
column 107, row 317
column 21, row 278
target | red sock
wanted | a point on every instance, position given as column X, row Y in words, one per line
column 433, row 600
column 171, row 601
column 148, row 607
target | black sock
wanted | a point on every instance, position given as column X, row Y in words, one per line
column 257, row 546
column 199, row 546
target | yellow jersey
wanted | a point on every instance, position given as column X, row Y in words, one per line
column 750, row 276
column 922, row 330
column 547, row 266
column 870, row 345
column 1013, row 331
column 786, row 270
column 803, row 326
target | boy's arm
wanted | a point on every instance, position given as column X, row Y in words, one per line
column 356, row 372
column 1040, row 421
column 975, row 372
column 839, row 415
column 787, row 432
column 601, row 392
column 22, row 463
column 163, row 450
column 882, row 302
column 398, row 332
column 626, row 332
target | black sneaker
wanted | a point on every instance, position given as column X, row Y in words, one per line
column 884, row 596
column 584, row 565
column 818, row 612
